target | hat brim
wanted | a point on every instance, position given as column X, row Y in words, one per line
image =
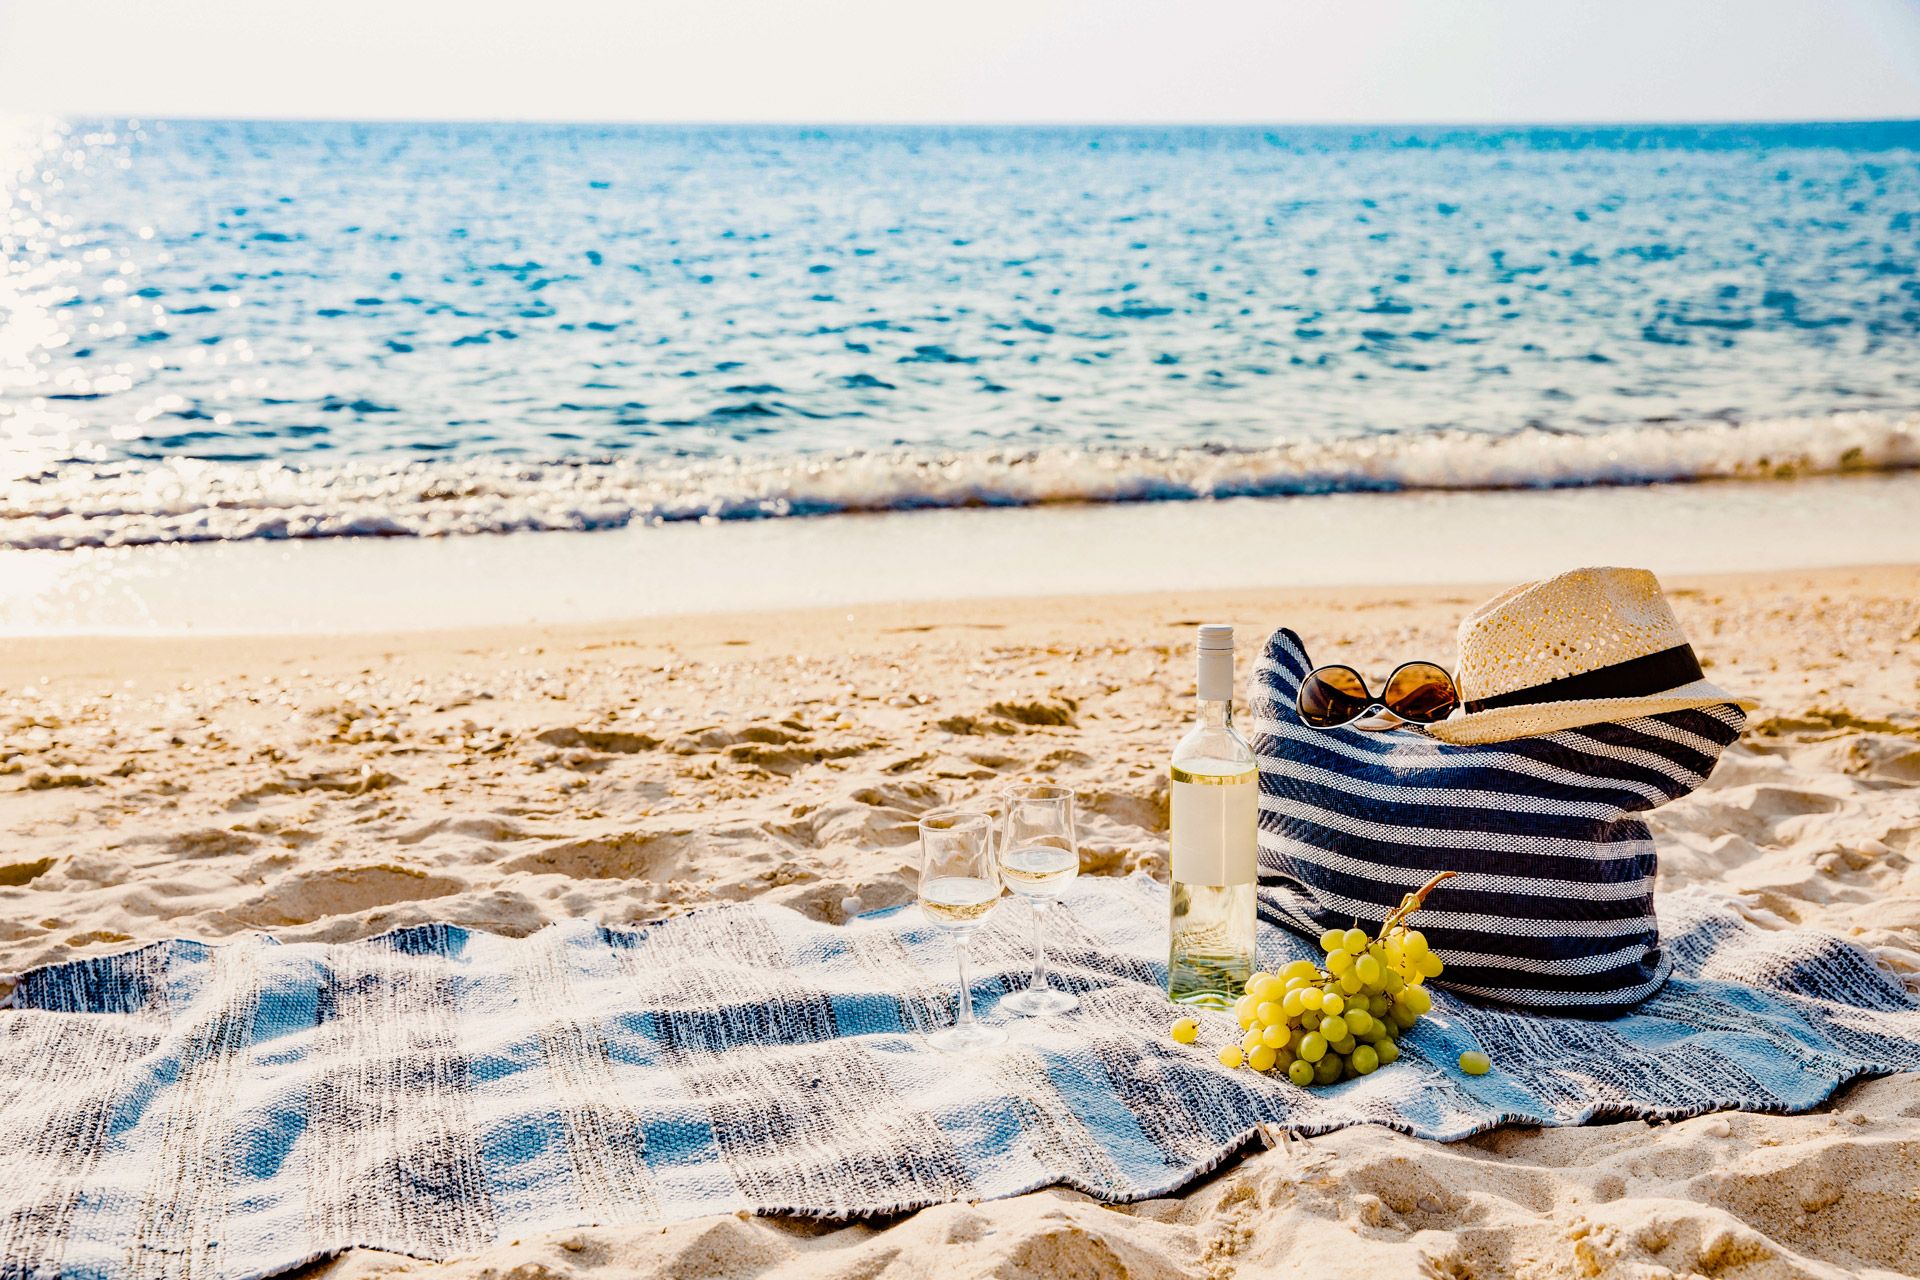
column 1504, row 724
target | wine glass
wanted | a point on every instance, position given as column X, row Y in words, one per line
column 959, row 885
column 1039, row 857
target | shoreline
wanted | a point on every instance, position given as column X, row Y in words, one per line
column 866, row 628
column 365, row 585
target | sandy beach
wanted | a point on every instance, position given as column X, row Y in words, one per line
column 598, row 464
column 336, row 787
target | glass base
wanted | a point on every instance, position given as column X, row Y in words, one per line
column 967, row 1039
column 1039, row 1002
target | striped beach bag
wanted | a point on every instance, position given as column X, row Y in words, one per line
column 1552, row 906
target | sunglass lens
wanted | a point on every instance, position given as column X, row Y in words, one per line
column 1332, row 696
column 1421, row 692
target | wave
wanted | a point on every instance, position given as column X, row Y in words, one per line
column 185, row 500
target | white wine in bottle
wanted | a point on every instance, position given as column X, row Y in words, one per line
column 1214, row 859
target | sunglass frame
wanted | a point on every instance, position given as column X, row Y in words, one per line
column 1372, row 701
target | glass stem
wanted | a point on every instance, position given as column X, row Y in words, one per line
column 966, row 989
column 1040, row 907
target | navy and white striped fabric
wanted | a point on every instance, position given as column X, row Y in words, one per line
column 1553, row 904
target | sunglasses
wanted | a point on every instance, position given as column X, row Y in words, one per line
column 1416, row 692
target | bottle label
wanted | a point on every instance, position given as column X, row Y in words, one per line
column 1214, row 675
column 1213, row 830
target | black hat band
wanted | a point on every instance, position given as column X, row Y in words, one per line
column 1634, row 678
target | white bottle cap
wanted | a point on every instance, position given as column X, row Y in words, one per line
column 1216, row 635
column 1215, row 662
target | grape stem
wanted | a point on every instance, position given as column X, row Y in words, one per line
column 1411, row 903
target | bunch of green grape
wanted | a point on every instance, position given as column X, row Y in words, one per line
column 1341, row 1018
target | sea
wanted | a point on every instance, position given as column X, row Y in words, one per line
column 232, row 331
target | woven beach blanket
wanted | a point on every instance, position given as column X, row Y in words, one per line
column 188, row 1110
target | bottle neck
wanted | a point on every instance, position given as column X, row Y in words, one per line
column 1216, row 713
column 1213, row 677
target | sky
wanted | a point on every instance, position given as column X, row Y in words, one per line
column 989, row 61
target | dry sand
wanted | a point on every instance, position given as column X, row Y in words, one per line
column 336, row 788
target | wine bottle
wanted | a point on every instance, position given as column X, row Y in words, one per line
column 1214, row 861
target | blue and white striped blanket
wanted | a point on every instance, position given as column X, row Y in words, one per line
column 236, row 1110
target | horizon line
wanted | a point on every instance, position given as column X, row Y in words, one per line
column 933, row 123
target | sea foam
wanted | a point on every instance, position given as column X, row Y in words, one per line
column 195, row 501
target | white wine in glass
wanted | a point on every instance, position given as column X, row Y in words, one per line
column 959, row 887
column 954, row 901
column 1040, row 856
column 1039, row 870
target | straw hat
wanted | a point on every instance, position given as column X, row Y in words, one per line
column 1587, row 647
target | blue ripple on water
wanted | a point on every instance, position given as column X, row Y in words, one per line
column 1098, row 288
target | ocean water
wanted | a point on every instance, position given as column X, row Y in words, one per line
column 240, row 330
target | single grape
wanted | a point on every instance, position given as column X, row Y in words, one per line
column 1313, row 1046
column 1301, row 1072
column 1295, row 1001
column 1350, row 983
column 1299, row 969
column 1430, row 966
column 1256, row 976
column 1338, row 962
column 1333, row 940
column 1414, row 945
column 1475, row 1063
column 1328, row 1069
column 1268, row 988
column 1252, row 1040
column 1313, row 998
column 1333, row 1027
column 1345, row 1044
column 1231, row 1056
column 1418, row 1001
column 1378, row 1003
column 1332, row 1002
column 1365, row 1059
column 1359, row 1021
column 1387, row 1051
column 1186, row 1030
column 1266, row 1013
column 1275, row 1036
column 1355, row 940
column 1368, row 968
